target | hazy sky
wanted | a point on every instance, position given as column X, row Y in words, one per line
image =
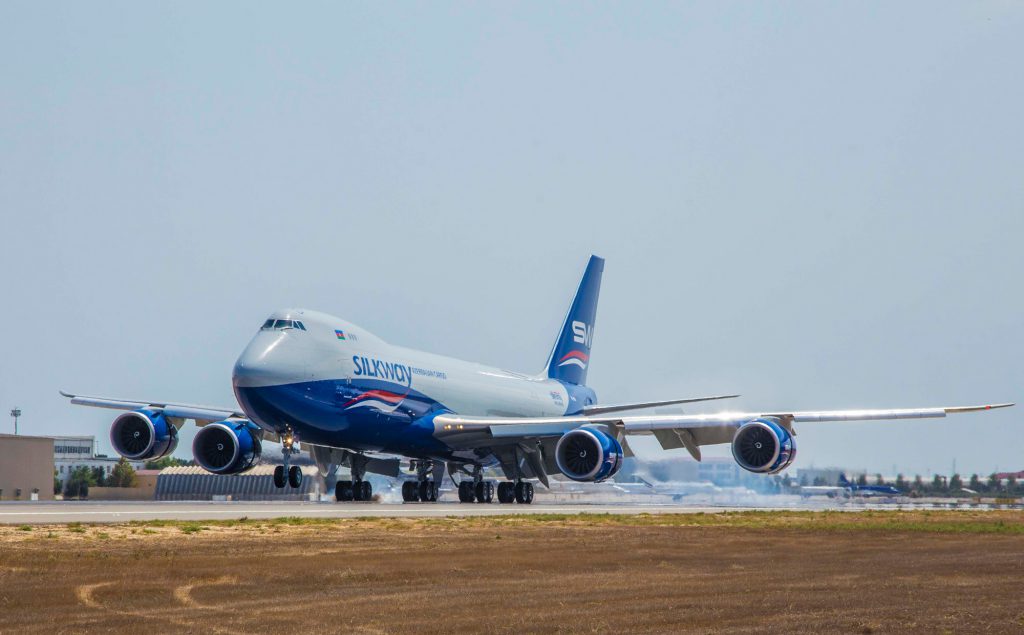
column 817, row 205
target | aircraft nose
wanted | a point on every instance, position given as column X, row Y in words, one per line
column 266, row 361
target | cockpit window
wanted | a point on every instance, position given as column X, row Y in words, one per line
column 280, row 325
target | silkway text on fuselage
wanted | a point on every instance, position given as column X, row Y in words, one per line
column 392, row 371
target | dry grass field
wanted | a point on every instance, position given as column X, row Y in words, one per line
column 873, row 572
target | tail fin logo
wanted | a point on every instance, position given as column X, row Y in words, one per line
column 582, row 333
column 574, row 358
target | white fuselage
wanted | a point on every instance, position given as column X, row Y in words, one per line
column 301, row 377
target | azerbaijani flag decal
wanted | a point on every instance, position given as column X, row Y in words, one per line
column 340, row 334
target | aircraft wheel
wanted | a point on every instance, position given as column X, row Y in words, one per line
column 484, row 491
column 506, row 492
column 279, row 477
column 410, row 491
column 466, row 494
column 366, row 491
column 428, row 491
column 524, row 492
column 343, row 491
column 295, row 476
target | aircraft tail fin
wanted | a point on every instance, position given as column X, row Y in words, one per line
column 842, row 480
column 570, row 356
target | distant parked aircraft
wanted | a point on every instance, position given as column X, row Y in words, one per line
column 868, row 490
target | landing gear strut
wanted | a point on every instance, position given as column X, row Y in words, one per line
column 292, row 475
column 518, row 491
column 357, row 489
column 424, row 488
column 476, row 489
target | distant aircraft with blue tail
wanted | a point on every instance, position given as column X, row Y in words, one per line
column 869, row 490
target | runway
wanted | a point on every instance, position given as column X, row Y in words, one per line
column 57, row 512
column 41, row 513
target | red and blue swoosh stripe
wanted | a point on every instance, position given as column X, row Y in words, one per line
column 576, row 358
column 380, row 399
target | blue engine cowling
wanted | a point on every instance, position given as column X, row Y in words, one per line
column 588, row 454
column 227, row 447
column 143, row 434
column 763, row 446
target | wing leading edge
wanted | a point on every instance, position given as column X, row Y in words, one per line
column 452, row 425
column 201, row 414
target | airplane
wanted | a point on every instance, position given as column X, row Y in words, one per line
column 311, row 380
column 831, row 491
column 868, row 490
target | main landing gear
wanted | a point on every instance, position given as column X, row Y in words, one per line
column 357, row 489
column 285, row 474
column 426, row 487
column 482, row 491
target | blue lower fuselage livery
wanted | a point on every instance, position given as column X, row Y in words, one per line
column 315, row 382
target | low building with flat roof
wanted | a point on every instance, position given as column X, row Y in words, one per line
column 72, row 452
column 26, row 467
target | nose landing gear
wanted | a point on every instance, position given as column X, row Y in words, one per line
column 285, row 474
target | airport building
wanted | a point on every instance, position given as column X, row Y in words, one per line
column 72, row 452
column 26, row 467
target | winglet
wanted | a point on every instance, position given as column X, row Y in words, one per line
column 956, row 409
column 66, row 394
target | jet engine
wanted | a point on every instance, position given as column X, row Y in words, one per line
column 588, row 454
column 763, row 446
column 227, row 447
column 143, row 434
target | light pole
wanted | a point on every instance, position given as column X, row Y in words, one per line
column 16, row 412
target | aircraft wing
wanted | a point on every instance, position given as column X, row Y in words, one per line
column 672, row 431
column 605, row 409
column 200, row 414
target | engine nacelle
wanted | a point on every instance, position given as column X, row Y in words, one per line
column 227, row 447
column 763, row 446
column 143, row 434
column 588, row 454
